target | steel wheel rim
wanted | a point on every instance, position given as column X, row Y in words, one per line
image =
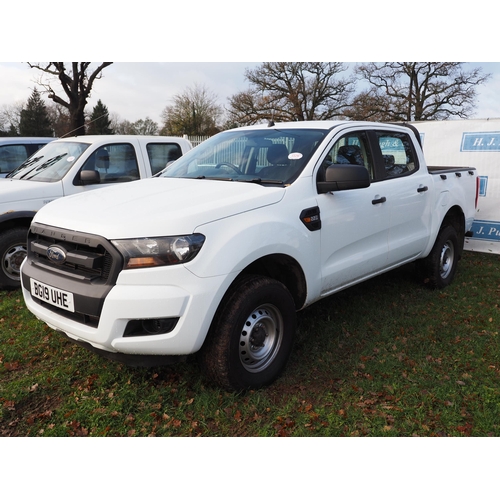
column 12, row 260
column 446, row 259
column 260, row 338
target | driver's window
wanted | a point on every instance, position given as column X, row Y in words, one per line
column 351, row 149
column 114, row 162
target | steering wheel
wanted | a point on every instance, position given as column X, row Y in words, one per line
column 227, row 164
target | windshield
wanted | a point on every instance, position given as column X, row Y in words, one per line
column 269, row 156
column 51, row 163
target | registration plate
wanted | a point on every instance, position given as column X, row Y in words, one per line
column 51, row 295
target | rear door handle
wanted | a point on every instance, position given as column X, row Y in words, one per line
column 376, row 201
column 422, row 189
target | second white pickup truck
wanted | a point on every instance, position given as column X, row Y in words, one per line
column 69, row 166
column 218, row 253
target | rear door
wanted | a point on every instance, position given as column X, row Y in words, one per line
column 407, row 191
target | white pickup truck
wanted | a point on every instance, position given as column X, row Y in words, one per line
column 217, row 253
column 69, row 166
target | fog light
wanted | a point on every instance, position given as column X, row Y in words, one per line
column 154, row 326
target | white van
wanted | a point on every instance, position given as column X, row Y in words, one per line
column 14, row 150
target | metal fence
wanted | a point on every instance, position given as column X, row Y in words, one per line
column 196, row 139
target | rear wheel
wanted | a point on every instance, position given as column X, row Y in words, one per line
column 251, row 337
column 12, row 254
column 440, row 266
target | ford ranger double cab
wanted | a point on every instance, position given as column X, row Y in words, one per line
column 68, row 166
column 217, row 254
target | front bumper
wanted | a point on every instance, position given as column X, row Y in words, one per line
column 141, row 295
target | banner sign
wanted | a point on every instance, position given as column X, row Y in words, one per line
column 480, row 141
column 486, row 230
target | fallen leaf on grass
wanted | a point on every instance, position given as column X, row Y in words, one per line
column 10, row 405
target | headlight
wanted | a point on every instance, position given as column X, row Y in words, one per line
column 162, row 251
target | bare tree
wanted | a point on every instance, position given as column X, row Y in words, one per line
column 140, row 127
column 77, row 82
column 145, row 127
column 369, row 105
column 10, row 117
column 292, row 91
column 194, row 112
column 59, row 119
column 416, row 91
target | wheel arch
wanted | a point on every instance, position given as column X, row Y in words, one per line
column 284, row 269
column 12, row 219
column 456, row 218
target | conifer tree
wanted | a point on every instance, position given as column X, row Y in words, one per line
column 35, row 121
column 100, row 123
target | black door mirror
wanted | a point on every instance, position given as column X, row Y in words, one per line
column 342, row 177
column 89, row 177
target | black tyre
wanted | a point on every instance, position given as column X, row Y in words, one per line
column 12, row 254
column 439, row 267
column 251, row 336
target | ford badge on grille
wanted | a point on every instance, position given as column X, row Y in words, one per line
column 56, row 254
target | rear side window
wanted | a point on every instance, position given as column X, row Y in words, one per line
column 397, row 153
column 11, row 156
column 162, row 154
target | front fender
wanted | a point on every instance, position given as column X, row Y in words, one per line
column 235, row 243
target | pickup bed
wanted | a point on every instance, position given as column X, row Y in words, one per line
column 69, row 166
column 216, row 254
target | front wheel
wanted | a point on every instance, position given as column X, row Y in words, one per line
column 439, row 267
column 12, row 254
column 251, row 337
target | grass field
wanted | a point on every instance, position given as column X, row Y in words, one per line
column 385, row 358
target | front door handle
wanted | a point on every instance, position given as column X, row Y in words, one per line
column 376, row 201
column 422, row 189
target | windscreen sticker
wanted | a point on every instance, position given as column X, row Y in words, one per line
column 295, row 156
column 70, row 158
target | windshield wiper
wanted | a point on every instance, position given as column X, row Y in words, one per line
column 43, row 166
column 212, row 178
column 26, row 164
column 258, row 180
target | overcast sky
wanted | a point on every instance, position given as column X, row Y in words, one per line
column 134, row 90
column 139, row 90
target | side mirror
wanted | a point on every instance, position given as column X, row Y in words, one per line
column 343, row 177
column 89, row 177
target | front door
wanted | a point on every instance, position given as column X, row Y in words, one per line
column 355, row 223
